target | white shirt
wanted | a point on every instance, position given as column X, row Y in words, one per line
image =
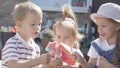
column 16, row 48
column 103, row 44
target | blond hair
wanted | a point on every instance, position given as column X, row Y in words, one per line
column 69, row 15
column 22, row 9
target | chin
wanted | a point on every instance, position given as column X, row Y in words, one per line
column 102, row 37
column 34, row 36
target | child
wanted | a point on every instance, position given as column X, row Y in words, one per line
column 21, row 51
column 66, row 38
column 105, row 51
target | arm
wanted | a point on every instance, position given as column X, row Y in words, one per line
column 55, row 63
column 103, row 63
column 82, row 62
column 43, row 59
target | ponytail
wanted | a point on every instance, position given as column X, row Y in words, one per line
column 68, row 13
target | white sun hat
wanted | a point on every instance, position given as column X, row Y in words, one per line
column 107, row 10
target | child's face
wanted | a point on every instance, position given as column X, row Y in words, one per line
column 30, row 27
column 64, row 35
column 106, row 28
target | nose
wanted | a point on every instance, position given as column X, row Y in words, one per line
column 61, row 40
column 38, row 27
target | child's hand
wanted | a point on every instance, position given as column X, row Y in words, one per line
column 77, row 57
column 55, row 63
column 103, row 63
column 45, row 58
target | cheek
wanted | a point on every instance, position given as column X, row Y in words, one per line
column 70, row 41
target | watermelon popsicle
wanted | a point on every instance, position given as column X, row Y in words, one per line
column 65, row 48
column 50, row 47
column 53, row 49
column 67, row 54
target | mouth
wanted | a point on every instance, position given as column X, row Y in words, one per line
column 36, row 33
column 102, row 35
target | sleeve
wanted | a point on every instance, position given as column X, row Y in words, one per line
column 92, row 52
column 9, row 52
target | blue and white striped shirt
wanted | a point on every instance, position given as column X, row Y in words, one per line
column 16, row 48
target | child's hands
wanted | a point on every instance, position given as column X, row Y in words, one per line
column 45, row 58
column 55, row 63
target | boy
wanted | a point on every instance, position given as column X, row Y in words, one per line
column 21, row 51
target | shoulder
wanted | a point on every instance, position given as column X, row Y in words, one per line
column 99, row 41
column 11, row 41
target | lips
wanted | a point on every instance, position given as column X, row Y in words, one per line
column 36, row 33
column 102, row 34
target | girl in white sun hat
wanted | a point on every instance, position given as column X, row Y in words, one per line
column 104, row 51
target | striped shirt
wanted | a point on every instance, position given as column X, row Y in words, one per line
column 16, row 48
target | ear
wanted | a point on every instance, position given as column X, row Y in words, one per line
column 18, row 23
column 118, row 28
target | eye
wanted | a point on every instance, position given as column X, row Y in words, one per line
column 103, row 25
column 58, row 37
column 67, row 37
column 39, row 24
column 33, row 24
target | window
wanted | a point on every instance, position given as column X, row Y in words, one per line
column 80, row 6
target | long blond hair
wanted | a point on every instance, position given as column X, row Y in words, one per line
column 69, row 15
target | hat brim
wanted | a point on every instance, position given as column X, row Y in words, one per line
column 94, row 15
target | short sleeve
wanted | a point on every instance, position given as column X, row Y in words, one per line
column 9, row 52
column 92, row 52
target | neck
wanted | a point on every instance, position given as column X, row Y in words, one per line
column 26, row 38
column 112, row 40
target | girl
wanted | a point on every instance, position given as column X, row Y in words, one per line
column 66, row 38
column 105, row 51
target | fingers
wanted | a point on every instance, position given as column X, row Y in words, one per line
column 76, row 55
column 102, row 59
column 56, row 63
column 48, row 57
column 59, row 61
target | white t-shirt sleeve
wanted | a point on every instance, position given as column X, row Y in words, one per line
column 92, row 52
column 9, row 52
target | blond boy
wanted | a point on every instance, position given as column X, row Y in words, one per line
column 21, row 51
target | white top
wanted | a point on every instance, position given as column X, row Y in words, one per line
column 103, row 44
column 16, row 48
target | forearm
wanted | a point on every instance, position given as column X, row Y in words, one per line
column 87, row 65
column 112, row 66
column 26, row 64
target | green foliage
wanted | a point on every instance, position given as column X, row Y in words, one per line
column 47, row 34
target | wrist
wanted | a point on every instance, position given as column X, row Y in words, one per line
column 39, row 60
column 83, row 64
